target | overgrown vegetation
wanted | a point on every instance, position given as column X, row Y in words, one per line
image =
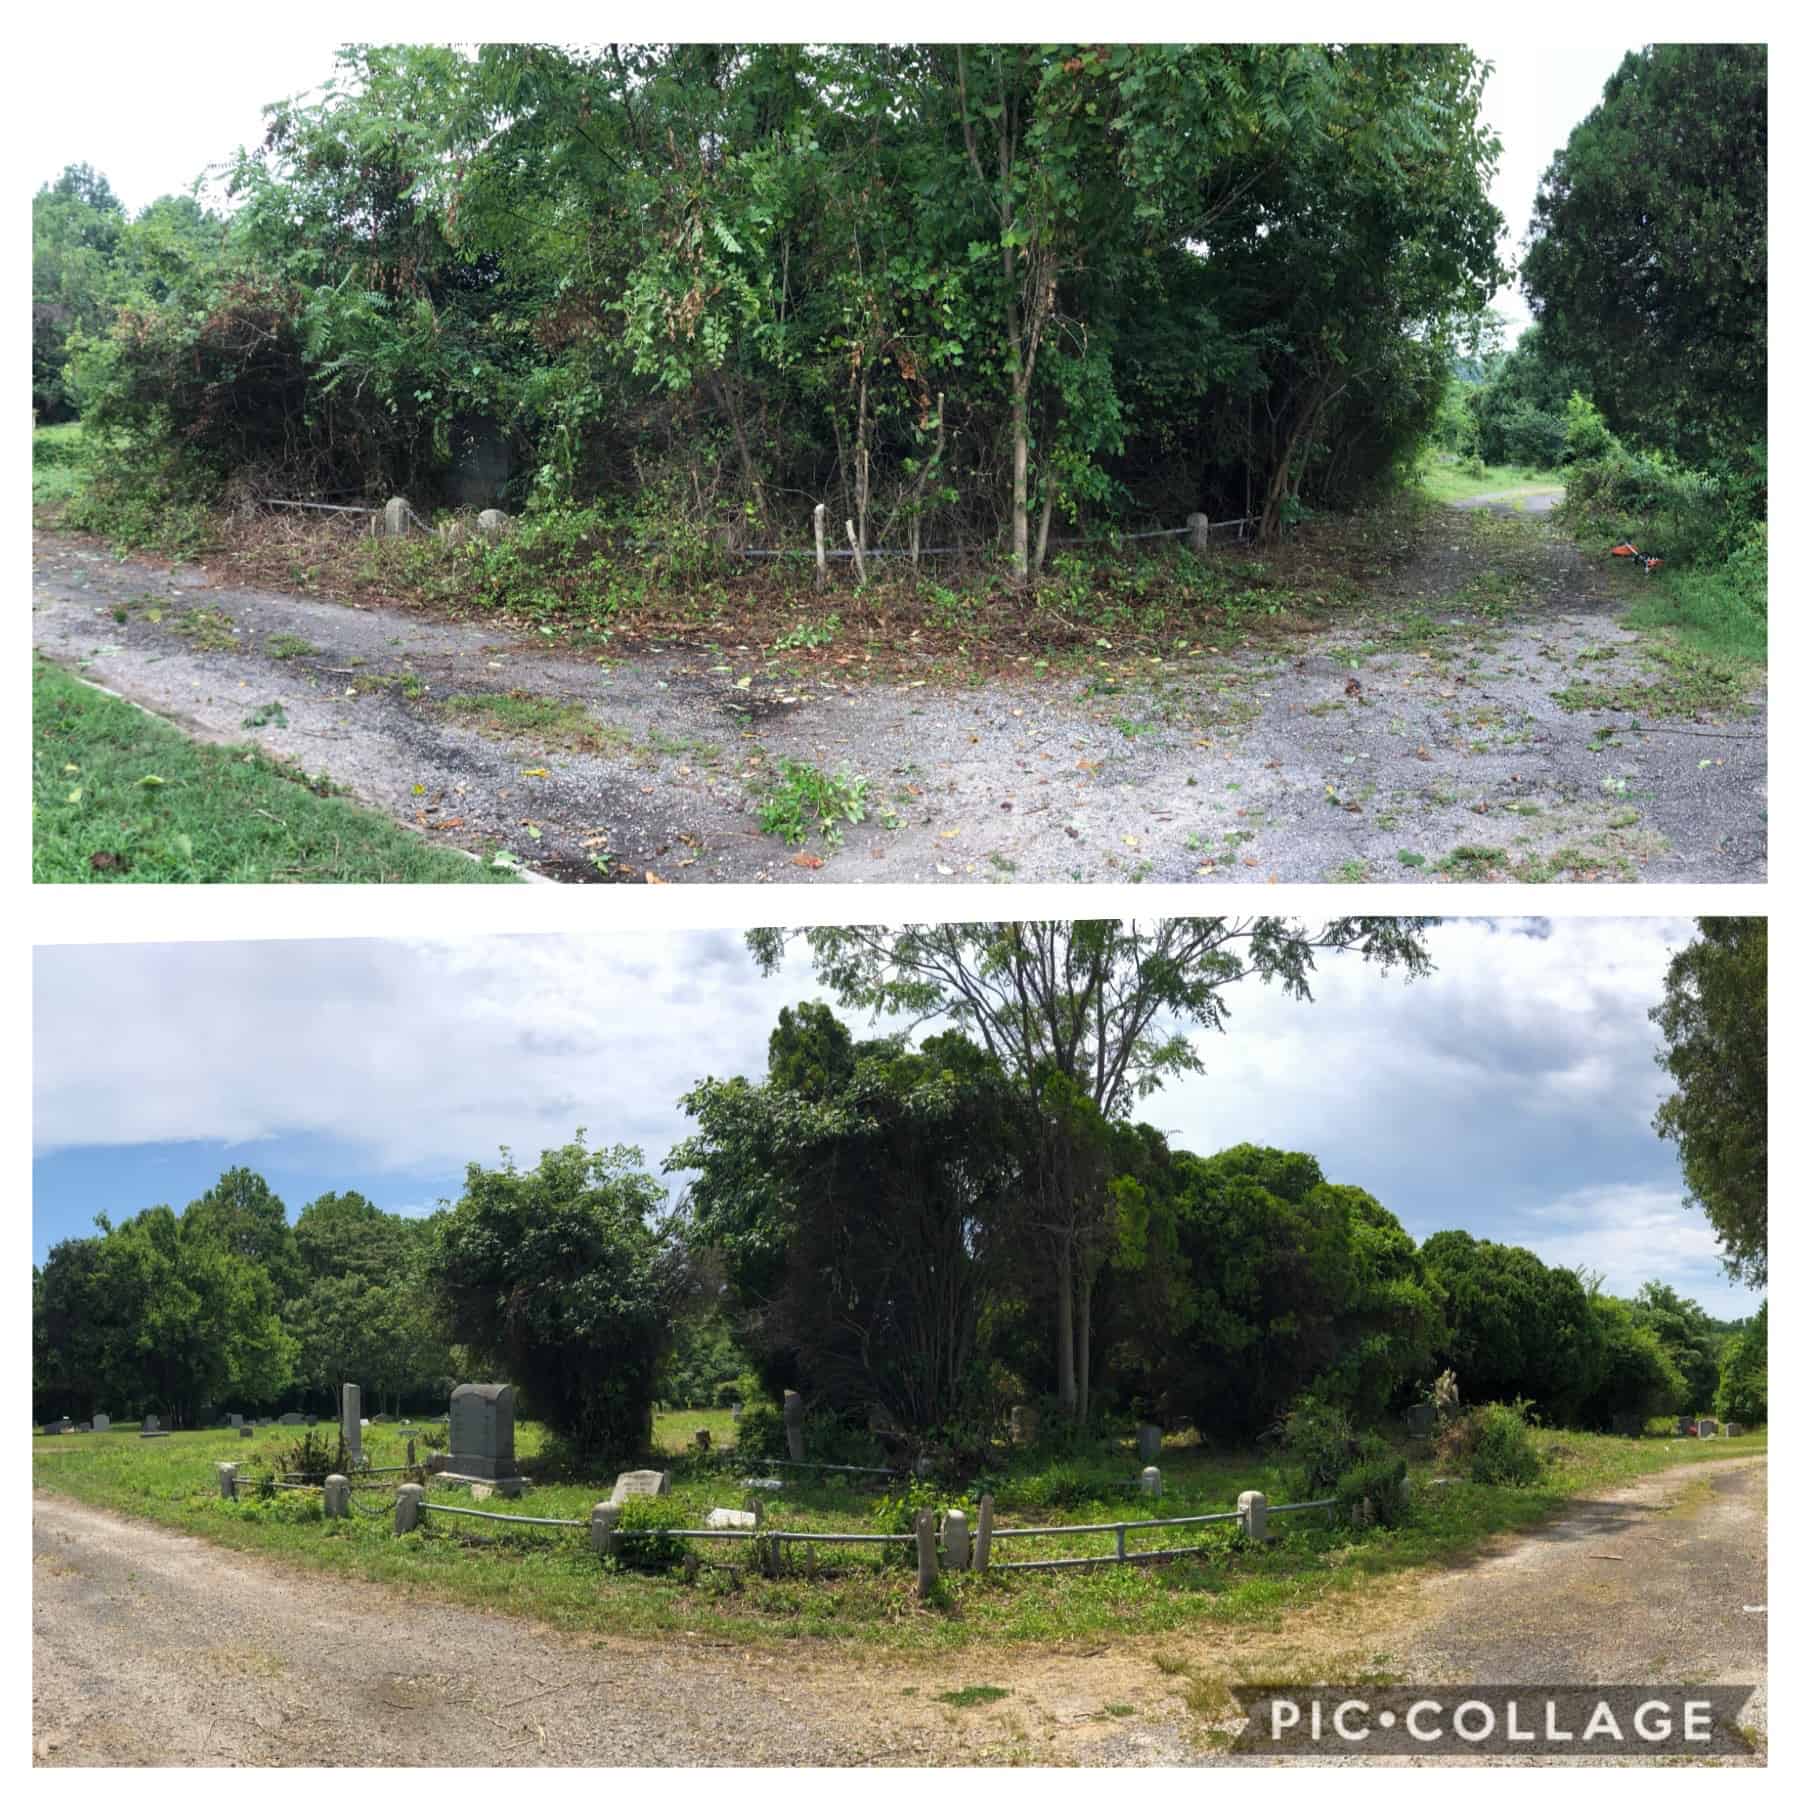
column 954, row 293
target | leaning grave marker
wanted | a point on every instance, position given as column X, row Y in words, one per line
column 640, row 1484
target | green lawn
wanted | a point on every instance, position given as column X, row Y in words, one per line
column 550, row 1574
column 120, row 796
column 1442, row 479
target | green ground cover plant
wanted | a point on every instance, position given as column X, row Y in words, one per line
column 120, row 796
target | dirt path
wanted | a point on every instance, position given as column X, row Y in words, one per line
column 1409, row 742
column 155, row 1648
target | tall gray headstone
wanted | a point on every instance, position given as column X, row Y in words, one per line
column 350, row 1412
column 481, row 1432
column 1708, row 1428
column 1149, row 1443
column 102, row 1422
column 793, row 1415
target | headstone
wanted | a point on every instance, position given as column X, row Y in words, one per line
column 102, row 1422
column 394, row 518
column 292, row 1419
column 379, row 1419
column 737, row 1411
column 1732, row 1430
column 1420, row 1420
column 481, row 1432
column 703, row 1439
column 55, row 1427
column 956, row 1539
column 246, row 1431
column 481, row 463
column 84, row 1426
column 768, row 1483
column 1150, row 1482
column 153, row 1426
column 1707, row 1428
column 234, row 1419
column 731, row 1518
column 493, row 522
column 1149, row 1443
column 311, row 1420
column 1023, row 1425
column 1253, row 1514
column 793, row 1414
column 350, row 1415
column 641, row 1484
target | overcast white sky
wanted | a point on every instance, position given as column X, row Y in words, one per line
column 120, row 118
column 1509, row 1094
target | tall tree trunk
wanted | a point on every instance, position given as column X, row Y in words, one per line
column 1066, row 1393
column 1046, row 506
column 1083, row 1344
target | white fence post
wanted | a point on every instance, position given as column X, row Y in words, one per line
column 406, row 1508
column 1196, row 524
column 819, row 545
column 337, row 1496
column 1253, row 1514
column 602, row 1523
column 227, row 1481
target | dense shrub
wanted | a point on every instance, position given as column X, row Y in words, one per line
column 1493, row 1444
column 315, row 1455
column 1378, row 1482
column 1320, row 1437
column 651, row 1554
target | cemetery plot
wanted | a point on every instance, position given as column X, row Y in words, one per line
column 862, row 1584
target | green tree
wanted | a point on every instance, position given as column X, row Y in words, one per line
column 1103, row 1005
column 1648, row 254
column 561, row 1278
column 248, row 1219
column 1744, row 1373
column 860, row 1225
column 1715, row 1024
column 1685, row 1333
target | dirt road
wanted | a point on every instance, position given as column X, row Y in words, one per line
column 1413, row 741
column 154, row 1648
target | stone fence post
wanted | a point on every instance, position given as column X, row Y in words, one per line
column 602, row 1523
column 1196, row 524
column 1253, row 1514
column 793, row 1412
column 337, row 1496
column 406, row 1508
column 925, row 1529
column 227, row 1481
column 1150, row 1482
column 984, row 1533
column 956, row 1539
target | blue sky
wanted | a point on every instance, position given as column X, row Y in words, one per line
column 1509, row 1094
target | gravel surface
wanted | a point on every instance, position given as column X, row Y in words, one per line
column 1347, row 755
column 155, row 1648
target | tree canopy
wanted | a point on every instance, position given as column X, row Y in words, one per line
column 1715, row 1023
column 958, row 294
column 1648, row 256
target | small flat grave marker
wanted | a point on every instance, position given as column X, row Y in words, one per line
column 640, row 1484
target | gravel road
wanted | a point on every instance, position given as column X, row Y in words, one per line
column 155, row 1648
column 1359, row 753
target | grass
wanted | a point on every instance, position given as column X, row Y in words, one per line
column 1683, row 683
column 58, row 464
column 539, row 718
column 856, row 1596
column 120, row 796
column 1443, row 479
